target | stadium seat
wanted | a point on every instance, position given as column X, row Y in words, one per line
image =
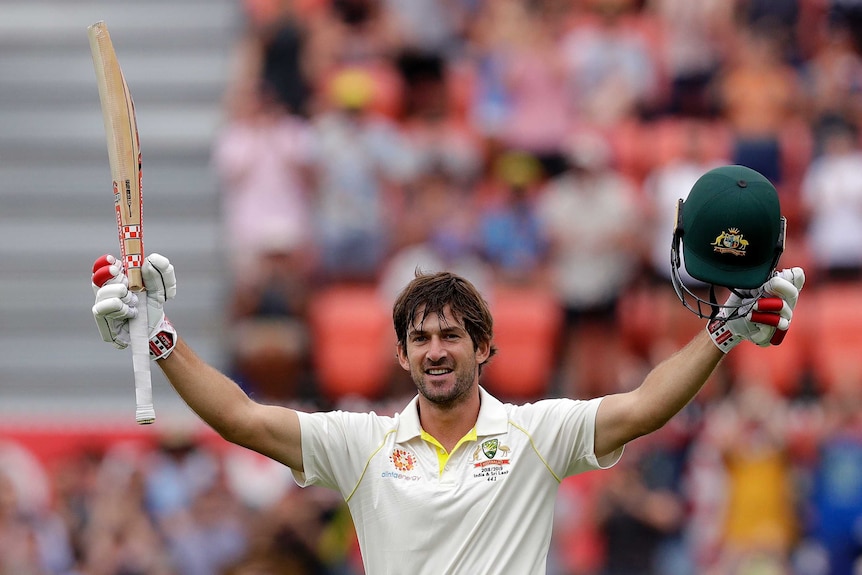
column 353, row 342
column 527, row 324
column 836, row 335
column 653, row 321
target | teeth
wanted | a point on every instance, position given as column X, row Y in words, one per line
column 437, row 371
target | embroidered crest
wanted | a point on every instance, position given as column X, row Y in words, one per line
column 730, row 242
column 489, row 448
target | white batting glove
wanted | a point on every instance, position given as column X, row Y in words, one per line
column 115, row 304
column 764, row 313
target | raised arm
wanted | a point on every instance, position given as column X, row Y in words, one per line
column 268, row 429
column 664, row 392
column 271, row 430
column 675, row 381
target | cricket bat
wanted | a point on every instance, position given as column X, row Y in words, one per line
column 124, row 155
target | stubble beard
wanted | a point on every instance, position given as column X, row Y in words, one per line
column 450, row 396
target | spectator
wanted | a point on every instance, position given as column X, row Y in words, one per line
column 832, row 199
column 270, row 343
column 434, row 128
column 612, row 66
column 693, row 50
column 832, row 77
column 522, row 102
column 261, row 159
column 650, row 303
column 272, row 53
column 427, row 26
column 32, row 541
column 760, row 96
column 760, row 524
column 435, row 231
column 834, row 507
column 590, row 215
column 177, row 473
column 119, row 535
column 211, row 536
column 511, row 237
column 642, row 509
column 361, row 158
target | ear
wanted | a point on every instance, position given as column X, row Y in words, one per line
column 401, row 354
column 483, row 351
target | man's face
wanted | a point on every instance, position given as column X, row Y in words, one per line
column 441, row 358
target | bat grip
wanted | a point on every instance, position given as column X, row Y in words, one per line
column 140, row 344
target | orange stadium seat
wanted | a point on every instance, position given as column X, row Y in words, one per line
column 653, row 320
column 836, row 335
column 353, row 342
column 527, row 324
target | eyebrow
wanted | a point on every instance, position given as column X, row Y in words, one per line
column 447, row 329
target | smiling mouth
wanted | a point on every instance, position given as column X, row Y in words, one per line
column 438, row 371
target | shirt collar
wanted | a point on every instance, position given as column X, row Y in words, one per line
column 492, row 419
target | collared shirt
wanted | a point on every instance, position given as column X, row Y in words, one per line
column 485, row 508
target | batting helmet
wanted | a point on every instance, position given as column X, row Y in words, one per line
column 732, row 235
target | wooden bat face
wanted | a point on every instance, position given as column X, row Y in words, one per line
column 124, row 153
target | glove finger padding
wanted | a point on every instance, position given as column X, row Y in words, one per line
column 115, row 304
column 107, row 269
column 766, row 320
column 772, row 311
column 786, row 284
column 159, row 277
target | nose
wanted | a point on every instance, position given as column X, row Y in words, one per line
column 436, row 349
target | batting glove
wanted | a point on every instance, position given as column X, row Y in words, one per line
column 115, row 304
column 762, row 315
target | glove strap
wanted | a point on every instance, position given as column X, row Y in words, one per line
column 162, row 340
column 721, row 335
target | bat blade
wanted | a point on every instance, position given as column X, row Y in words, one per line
column 124, row 156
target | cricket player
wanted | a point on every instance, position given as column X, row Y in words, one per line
column 459, row 482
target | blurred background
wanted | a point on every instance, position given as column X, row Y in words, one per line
column 302, row 158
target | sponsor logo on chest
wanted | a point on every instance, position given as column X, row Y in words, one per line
column 404, row 464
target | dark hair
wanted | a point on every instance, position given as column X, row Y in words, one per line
column 433, row 292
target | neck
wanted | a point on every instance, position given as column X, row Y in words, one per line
column 448, row 424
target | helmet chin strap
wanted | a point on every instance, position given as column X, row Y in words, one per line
column 713, row 302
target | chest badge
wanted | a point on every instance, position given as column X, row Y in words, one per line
column 403, row 460
column 491, row 449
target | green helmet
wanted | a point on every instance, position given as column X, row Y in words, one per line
column 731, row 231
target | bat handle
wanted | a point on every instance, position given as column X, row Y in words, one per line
column 140, row 344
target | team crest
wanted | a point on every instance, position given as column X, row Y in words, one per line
column 730, row 242
column 489, row 448
column 403, row 460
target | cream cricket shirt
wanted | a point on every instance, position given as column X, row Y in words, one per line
column 485, row 508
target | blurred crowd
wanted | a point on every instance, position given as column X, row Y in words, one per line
column 538, row 147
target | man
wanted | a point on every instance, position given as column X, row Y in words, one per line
column 459, row 482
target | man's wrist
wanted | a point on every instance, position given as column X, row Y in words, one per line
column 721, row 335
column 163, row 340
